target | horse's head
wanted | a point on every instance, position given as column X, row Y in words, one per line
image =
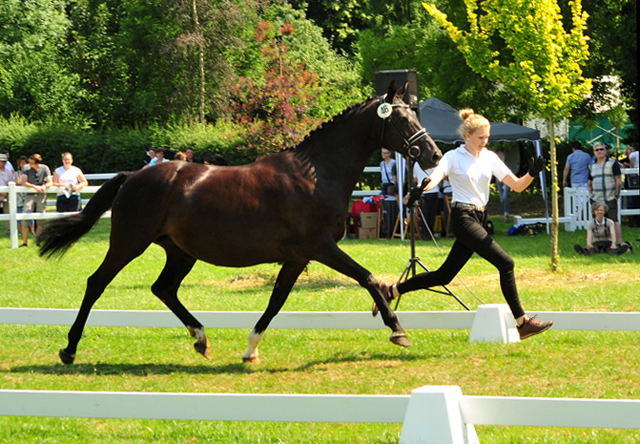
column 402, row 130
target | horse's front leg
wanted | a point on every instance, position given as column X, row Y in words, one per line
column 286, row 279
column 337, row 259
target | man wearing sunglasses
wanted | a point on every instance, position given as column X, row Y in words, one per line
column 605, row 183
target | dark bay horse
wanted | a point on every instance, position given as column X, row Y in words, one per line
column 290, row 207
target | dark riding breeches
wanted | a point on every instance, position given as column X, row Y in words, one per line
column 471, row 237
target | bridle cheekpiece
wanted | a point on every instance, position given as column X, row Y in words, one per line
column 385, row 112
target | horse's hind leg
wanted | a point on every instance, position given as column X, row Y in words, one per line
column 337, row 259
column 113, row 263
column 178, row 265
column 286, row 279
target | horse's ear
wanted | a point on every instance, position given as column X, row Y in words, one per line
column 400, row 92
column 391, row 93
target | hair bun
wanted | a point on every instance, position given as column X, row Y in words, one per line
column 466, row 113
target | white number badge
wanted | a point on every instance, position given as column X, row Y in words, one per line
column 384, row 110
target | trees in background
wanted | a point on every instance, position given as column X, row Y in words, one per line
column 35, row 79
column 106, row 64
column 542, row 64
column 144, row 62
column 274, row 106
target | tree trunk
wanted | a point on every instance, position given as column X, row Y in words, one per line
column 554, row 195
column 200, row 61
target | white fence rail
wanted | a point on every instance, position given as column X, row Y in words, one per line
column 598, row 321
column 577, row 207
column 425, row 415
column 430, row 414
column 15, row 218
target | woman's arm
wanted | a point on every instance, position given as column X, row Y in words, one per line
column 614, row 240
column 56, row 181
column 517, row 184
column 82, row 182
column 435, row 178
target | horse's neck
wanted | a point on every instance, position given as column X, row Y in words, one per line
column 340, row 152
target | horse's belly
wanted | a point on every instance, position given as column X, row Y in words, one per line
column 244, row 251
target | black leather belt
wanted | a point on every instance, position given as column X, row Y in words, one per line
column 466, row 206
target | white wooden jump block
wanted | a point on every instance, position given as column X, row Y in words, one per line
column 494, row 323
column 434, row 416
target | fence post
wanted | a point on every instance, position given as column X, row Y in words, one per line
column 494, row 323
column 13, row 211
column 434, row 417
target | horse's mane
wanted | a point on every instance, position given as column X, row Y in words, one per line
column 328, row 123
column 299, row 150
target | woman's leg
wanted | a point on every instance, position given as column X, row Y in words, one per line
column 458, row 257
column 476, row 238
column 471, row 237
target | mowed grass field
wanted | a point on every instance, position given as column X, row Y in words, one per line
column 577, row 364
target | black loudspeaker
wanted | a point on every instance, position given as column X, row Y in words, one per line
column 401, row 76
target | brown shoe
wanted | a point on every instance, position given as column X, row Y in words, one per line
column 532, row 327
column 387, row 292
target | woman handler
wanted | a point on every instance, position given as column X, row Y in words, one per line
column 469, row 169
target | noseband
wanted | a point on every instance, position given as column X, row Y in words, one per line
column 385, row 112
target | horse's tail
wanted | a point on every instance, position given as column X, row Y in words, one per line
column 59, row 234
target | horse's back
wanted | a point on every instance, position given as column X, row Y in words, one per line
column 234, row 216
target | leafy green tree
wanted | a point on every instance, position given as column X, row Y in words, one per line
column 34, row 79
column 156, row 61
column 542, row 67
column 415, row 41
column 340, row 20
column 274, row 106
column 339, row 79
column 613, row 49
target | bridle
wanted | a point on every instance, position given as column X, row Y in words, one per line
column 385, row 112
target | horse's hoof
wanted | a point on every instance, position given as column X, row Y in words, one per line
column 65, row 357
column 203, row 349
column 400, row 339
column 251, row 359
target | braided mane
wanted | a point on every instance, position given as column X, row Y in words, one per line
column 329, row 122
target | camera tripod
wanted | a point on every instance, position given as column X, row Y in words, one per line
column 414, row 261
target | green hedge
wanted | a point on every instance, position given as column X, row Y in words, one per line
column 110, row 151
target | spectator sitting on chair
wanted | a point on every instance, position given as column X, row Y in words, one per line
column 601, row 235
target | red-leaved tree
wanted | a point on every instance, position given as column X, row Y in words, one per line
column 274, row 107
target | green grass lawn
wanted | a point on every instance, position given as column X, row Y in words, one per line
column 577, row 364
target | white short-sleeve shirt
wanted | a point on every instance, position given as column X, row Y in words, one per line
column 470, row 176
